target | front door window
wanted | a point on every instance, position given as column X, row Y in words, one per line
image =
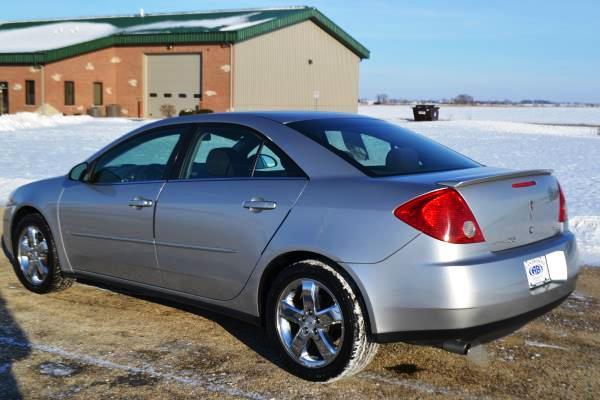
column 142, row 159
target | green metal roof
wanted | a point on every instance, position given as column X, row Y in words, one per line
column 152, row 29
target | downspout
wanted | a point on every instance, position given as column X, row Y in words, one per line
column 43, row 89
column 231, row 80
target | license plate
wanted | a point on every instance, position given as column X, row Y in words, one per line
column 543, row 269
column 537, row 271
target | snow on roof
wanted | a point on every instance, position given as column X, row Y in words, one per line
column 243, row 25
column 62, row 34
column 42, row 42
column 52, row 36
column 158, row 14
column 223, row 24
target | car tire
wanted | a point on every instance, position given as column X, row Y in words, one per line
column 302, row 336
column 35, row 259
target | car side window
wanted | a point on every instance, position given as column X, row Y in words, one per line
column 233, row 151
column 221, row 152
column 273, row 163
column 143, row 158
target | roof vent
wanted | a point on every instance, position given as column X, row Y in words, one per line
column 142, row 13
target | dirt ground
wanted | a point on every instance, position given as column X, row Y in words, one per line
column 90, row 343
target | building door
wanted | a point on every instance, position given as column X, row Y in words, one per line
column 173, row 83
column 3, row 98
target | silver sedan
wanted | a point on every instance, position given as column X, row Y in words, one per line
column 336, row 232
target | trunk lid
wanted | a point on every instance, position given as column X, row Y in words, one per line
column 512, row 208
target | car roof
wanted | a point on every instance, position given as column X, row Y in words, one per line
column 282, row 117
column 285, row 117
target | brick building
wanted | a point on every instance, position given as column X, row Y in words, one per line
column 159, row 64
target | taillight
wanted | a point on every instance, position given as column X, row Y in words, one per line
column 562, row 208
column 442, row 214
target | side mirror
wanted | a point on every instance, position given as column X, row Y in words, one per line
column 265, row 161
column 78, row 172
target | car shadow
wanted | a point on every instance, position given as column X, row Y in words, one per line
column 14, row 346
column 249, row 334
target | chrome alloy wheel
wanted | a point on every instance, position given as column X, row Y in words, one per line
column 310, row 323
column 33, row 255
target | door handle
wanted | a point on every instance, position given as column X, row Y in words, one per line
column 258, row 204
column 140, row 202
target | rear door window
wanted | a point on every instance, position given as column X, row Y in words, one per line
column 234, row 151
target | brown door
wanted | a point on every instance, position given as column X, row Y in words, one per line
column 98, row 94
column 3, row 98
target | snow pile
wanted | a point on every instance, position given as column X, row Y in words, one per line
column 63, row 34
column 13, row 122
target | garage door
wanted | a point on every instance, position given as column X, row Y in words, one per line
column 173, row 83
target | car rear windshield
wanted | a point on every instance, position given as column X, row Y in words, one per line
column 378, row 148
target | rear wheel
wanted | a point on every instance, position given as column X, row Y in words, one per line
column 317, row 324
column 36, row 260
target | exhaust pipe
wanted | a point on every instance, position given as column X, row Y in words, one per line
column 457, row 346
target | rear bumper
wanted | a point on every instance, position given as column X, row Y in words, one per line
column 431, row 291
column 475, row 334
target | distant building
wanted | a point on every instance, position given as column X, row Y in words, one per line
column 156, row 64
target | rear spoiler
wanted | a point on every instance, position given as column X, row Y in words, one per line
column 462, row 182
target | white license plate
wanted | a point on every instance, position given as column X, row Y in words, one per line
column 543, row 269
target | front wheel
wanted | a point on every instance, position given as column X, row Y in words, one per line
column 36, row 260
column 317, row 323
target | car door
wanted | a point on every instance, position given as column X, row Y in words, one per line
column 212, row 224
column 107, row 222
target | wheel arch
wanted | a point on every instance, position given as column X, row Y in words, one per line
column 284, row 260
column 19, row 215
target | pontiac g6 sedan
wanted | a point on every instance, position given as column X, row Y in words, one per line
column 336, row 232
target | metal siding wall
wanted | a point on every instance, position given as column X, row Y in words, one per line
column 272, row 71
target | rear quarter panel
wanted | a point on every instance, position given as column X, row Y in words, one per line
column 348, row 220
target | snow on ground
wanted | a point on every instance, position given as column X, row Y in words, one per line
column 34, row 147
column 539, row 115
column 14, row 122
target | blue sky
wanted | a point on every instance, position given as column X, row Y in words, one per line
column 431, row 49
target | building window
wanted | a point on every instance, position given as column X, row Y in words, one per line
column 30, row 93
column 98, row 94
column 69, row 93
